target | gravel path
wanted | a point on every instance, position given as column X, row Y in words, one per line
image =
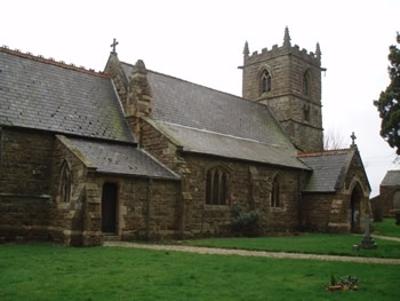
column 391, row 238
column 217, row 251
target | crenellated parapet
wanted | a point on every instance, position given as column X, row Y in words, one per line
column 287, row 79
column 313, row 58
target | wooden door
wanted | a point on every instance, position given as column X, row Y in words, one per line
column 109, row 208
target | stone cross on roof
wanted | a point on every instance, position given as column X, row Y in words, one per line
column 114, row 46
column 353, row 139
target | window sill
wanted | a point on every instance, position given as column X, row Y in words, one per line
column 278, row 209
column 216, row 207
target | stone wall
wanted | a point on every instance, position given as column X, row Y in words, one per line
column 25, row 172
column 325, row 212
column 146, row 208
column 387, row 194
column 377, row 208
column 157, row 144
column 68, row 219
column 331, row 212
column 298, row 112
column 31, row 207
column 249, row 186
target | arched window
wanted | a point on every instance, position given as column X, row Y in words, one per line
column 65, row 182
column 265, row 81
column 216, row 186
column 306, row 83
column 275, row 194
column 306, row 111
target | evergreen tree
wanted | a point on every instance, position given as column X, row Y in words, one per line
column 388, row 104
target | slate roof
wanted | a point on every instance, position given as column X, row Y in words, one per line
column 42, row 94
column 208, row 121
column 185, row 103
column 108, row 157
column 392, row 178
column 329, row 169
column 206, row 142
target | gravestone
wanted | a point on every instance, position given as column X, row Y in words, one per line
column 367, row 242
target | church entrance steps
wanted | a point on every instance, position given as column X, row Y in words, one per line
column 279, row 255
column 111, row 237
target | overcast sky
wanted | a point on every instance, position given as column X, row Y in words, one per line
column 202, row 41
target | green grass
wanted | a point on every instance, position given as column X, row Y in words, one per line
column 333, row 244
column 46, row 272
column 387, row 227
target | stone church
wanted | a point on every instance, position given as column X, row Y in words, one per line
column 131, row 153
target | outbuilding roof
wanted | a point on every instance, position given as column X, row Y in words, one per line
column 115, row 158
column 329, row 169
column 392, row 178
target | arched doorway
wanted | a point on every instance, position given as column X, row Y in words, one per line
column 109, row 208
column 355, row 208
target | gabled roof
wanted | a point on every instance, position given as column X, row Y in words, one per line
column 329, row 169
column 40, row 93
column 392, row 178
column 116, row 158
column 207, row 121
column 181, row 102
column 206, row 142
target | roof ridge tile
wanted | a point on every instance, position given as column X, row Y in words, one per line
column 52, row 61
column 325, row 153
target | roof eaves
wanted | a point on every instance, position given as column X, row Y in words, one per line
column 174, row 174
column 185, row 150
column 51, row 61
column 159, row 128
column 99, row 171
column 75, row 151
column 344, row 170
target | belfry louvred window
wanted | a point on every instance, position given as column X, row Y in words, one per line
column 216, row 186
column 265, row 81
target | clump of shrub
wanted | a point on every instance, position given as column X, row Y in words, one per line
column 245, row 223
column 345, row 283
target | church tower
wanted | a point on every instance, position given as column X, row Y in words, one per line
column 288, row 81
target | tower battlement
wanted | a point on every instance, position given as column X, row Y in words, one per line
column 287, row 79
column 266, row 54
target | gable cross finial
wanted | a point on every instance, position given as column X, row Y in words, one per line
column 353, row 139
column 114, row 46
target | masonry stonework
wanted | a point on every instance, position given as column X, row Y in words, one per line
column 295, row 101
column 155, row 140
column 25, row 198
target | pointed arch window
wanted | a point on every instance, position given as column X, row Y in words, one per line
column 265, row 81
column 275, row 194
column 306, row 111
column 65, row 182
column 216, row 186
column 306, row 83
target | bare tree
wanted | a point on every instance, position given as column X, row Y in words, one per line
column 333, row 139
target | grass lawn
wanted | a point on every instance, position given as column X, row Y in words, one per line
column 47, row 272
column 334, row 244
column 387, row 227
